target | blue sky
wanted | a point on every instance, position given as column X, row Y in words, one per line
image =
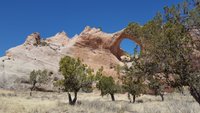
column 19, row 18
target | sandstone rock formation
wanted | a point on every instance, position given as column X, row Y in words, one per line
column 60, row 39
column 94, row 47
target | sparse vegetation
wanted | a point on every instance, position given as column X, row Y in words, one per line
column 43, row 43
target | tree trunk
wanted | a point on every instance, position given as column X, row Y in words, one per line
column 75, row 98
column 70, row 99
column 112, row 97
column 162, row 96
column 72, row 102
column 156, row 92
column 134, row 98
column 181, row 90
column 129, row 97
column 30, row 93
column 32, row 88
column 195, row 93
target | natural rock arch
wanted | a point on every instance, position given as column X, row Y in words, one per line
column 96, row 39
column 117, row 39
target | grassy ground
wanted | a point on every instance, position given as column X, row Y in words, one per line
column 40, row 102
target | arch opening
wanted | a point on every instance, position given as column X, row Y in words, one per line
column 125, row 39
column 129, row 47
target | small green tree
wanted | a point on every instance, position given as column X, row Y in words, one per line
column 157, row 86
column 118, row 69
column 107, row 86
column 76, row 76
column 38, row 77
column 133, row 82
column 134, row 88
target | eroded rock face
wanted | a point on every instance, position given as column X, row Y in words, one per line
column 33, row 39
column 96, row 39
column 60, row 39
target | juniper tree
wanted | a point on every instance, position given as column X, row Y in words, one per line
column 76, row 76
column 169, row 45
column 134, row 80
column 106, row 84
column 157, row 86
column 38, row 77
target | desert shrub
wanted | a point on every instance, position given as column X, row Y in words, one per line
column 88, row 89
column 43, row 43
column 59, row 84
column 106, row 84
column 37, row 78
column 157, row 86
column 134, row 87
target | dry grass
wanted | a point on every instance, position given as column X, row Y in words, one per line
column 12, row 103
column 21, row 102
